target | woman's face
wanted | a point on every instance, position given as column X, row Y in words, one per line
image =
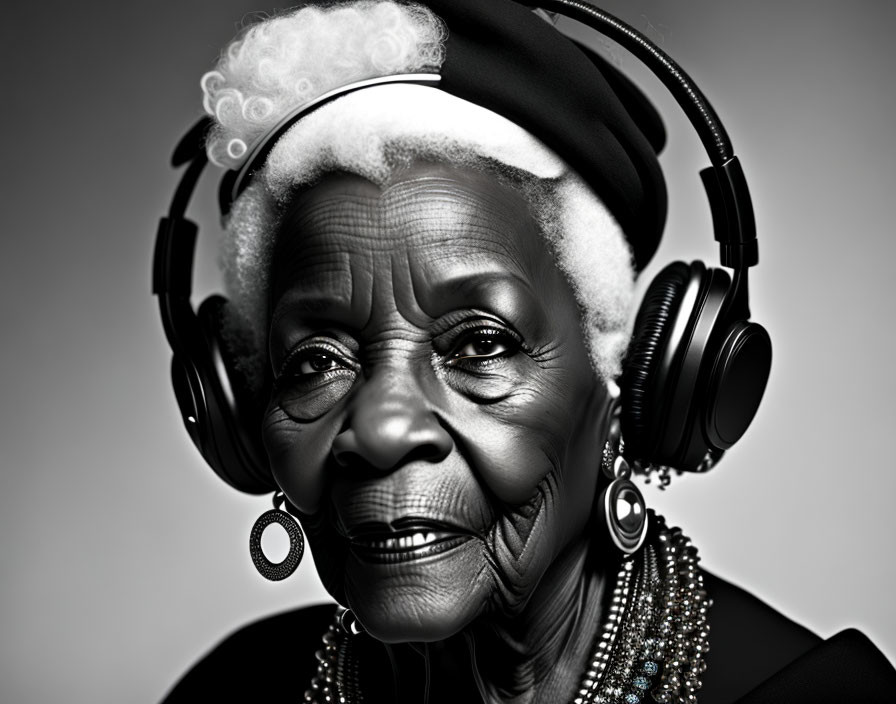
column 435, row 416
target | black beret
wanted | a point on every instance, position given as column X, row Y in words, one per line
column 504, row 57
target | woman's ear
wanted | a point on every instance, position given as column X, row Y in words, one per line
column 608, row 412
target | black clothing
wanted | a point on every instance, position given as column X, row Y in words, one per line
column 757, row 656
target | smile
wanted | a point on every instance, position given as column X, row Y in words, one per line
column 404, row 545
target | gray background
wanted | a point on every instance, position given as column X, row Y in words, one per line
column 123, row 557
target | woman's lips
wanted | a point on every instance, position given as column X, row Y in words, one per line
column 404, row 540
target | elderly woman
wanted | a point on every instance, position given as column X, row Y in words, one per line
column 432, row 233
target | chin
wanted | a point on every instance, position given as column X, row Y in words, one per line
column 418, row 600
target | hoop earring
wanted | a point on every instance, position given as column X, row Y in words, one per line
column 276, row 571
column 621, row 507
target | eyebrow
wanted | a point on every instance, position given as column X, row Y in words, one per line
column 312, row 304
column 499, row 291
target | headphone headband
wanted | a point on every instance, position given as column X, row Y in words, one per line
column 724, row 181
column 258, row 153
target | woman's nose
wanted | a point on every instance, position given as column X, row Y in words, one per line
column 389, row 425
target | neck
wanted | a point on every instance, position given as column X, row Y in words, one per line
column 541, row 653
column 538, row 654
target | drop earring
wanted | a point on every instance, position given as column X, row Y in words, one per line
column 275, row 571
column 350, row 623
column 621, row 508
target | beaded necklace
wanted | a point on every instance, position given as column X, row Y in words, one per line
column 650, row 647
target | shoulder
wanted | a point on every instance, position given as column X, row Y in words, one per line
column 255, row 658
column 749, row 641
column 845, row 668
column 759, row 656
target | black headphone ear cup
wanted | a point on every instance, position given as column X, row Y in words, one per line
column 649, row 340
column 232, row 376
column 737, row 383
column 233, row 445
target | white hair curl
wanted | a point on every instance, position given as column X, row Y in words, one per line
column 281, row 64
column 375, row 133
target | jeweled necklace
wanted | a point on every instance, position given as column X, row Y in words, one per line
column 650, row 647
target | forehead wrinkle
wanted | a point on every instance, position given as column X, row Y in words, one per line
column 317, row 269
column 356, row 218
column 395, row 214
column 323, row 246
column 438, row 231
column 404, row 295
column 441, row 186
column 448, row 233
column 455, row 203
column 457, row 247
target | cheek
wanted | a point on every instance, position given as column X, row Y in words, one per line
column 538, row 453
column 515, row 443
column 298, row 453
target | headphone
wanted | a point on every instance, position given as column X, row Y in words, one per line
column 696, row 369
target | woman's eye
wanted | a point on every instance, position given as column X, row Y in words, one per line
column 314, row 377
column 484, row 344
column 483, row 360
column 317, row 362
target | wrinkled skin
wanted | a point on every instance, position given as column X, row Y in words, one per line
column 431, row 377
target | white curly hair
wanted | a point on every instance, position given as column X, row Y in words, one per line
column 277, row 65
column 286, row 61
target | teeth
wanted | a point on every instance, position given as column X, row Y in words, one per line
column 405, row 542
